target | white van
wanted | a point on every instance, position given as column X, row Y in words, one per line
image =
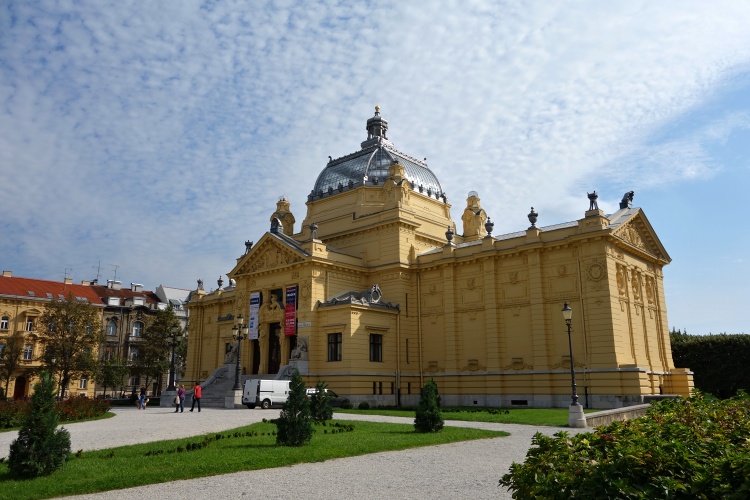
column 265, row 393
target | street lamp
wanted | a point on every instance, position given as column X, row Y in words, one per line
column 567, row 313
column 576, row 418
column 239, row 333
column 173, row 341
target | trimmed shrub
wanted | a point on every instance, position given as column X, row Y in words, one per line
column 295, row 422
column 41, row 448
column 719, row 362
column 429, row 417
column 320, row 403
column 364, row 405
column 682, row 448
column 347, row 405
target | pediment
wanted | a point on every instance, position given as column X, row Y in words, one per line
column 636, row 231
column 269, row 254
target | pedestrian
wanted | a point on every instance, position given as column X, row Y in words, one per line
column 180, row 399
column 142, row 398
column 196, row 397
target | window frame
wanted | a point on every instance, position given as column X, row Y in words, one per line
column 376, row 347
column 28, row 352
column 29, row 324
column 111, row 328
column 5, row 323
column 137, row 329
column 335, row 346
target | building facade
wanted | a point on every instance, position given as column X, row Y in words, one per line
column 378, row 291
column 22, row 303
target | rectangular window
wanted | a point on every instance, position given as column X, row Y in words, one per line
column 408, row 388
column 133, row 353
column 376, row 347
column 393, row 388
column 30, row 324
column 28, row 352
column 83, row 383
column 2, row 348
column 407, row 351
column 380, row 387
column 4, row 323
column 374, row 387
column 334, row 347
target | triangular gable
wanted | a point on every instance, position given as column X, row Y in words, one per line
column 633, row 228
column 270, row 253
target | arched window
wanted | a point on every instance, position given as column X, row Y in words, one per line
column 137, row 328
column 111, row 327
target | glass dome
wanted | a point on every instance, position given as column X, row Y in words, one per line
column 370, row 166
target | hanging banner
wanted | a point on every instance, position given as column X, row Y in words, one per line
column 290, row 312
column 253, row 322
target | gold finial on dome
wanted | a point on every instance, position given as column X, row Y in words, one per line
column 377, row 108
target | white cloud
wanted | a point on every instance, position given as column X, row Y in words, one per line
column 173, row 127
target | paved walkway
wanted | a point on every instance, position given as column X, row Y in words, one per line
column 460, row 470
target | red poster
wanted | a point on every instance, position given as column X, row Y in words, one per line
column 290, row 312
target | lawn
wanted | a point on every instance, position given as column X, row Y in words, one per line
column 557, row 417
column 246, row 448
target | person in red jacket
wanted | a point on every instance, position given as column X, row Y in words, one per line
column 196, row 397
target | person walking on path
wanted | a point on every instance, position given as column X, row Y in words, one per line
column 196, row 397
column 180, row 401
column 142, row 398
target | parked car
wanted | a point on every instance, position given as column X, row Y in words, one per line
column 336, row 400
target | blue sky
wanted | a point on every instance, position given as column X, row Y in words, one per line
column 158, row 136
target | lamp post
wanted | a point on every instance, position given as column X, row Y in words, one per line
column 576, row 418
column 239, row 333
column 174, row 340
column 567, row 313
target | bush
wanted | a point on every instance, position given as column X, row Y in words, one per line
column 347, row 405
column 41, row 448
column 364, row 405
column 295, row 422
column 429, row 417
column 13, row 413
column 690, row 448
column 320, row 403
column 718, row 362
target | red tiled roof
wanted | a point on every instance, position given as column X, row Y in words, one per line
column 20, row 287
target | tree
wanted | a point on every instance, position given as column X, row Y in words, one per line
column 429, row 417
column 73, row 335
column 41, row 448
column 10, row 357
column 154, row 353
column 110, row 373
column 320, row 403
column 295, row 423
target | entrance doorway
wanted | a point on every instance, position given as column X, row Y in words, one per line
column 19, row 391
column 274, row 348
column 256, row 356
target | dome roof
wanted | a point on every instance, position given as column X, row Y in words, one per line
column 370, row 166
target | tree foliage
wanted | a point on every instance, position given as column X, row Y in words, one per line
column 41, row 448
column 110, row 373
column 295, row 422
column 719, row 362
column 73, row 335
column 154, row 353
column 320, row 403
column 10, row 358
column 682, row 448
column 429, row 417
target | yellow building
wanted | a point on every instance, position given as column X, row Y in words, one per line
column 22, row 304
column 379, row 291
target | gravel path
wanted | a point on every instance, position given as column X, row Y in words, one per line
column 459, row 470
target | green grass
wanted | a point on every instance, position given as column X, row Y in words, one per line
column 129, row 466
column 557, row 417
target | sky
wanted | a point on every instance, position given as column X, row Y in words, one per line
column 146, row 141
